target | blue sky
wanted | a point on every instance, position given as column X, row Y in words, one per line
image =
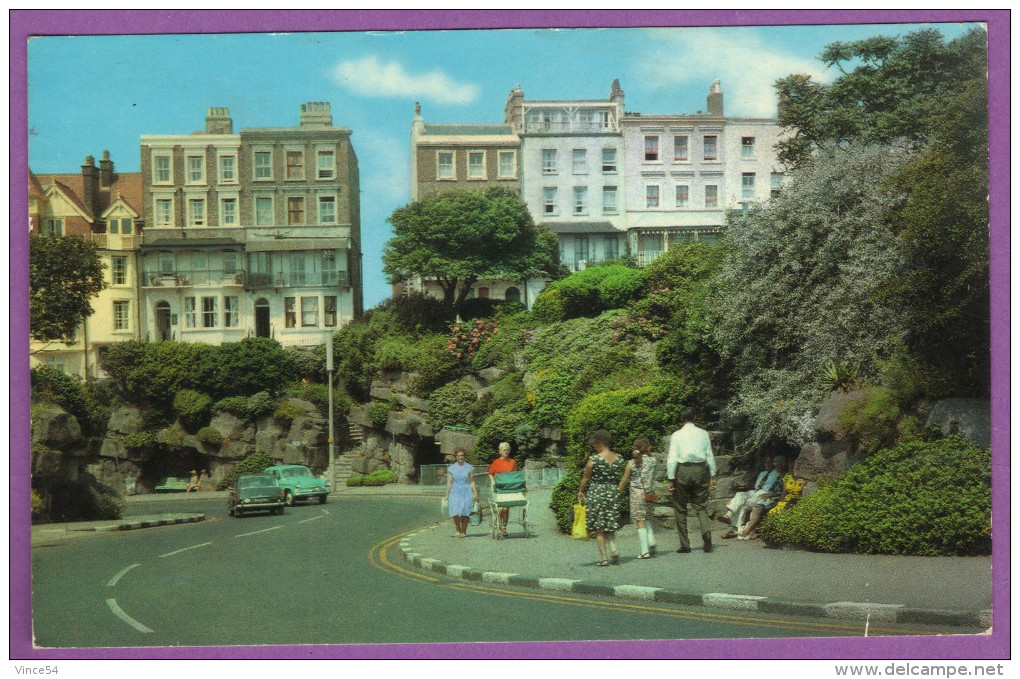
column 89, row 93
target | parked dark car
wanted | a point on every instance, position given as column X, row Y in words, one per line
column 298, row 483
column 254, row 493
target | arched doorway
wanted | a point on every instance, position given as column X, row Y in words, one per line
column 262, row 317
column 513, row 295
column 162, row 321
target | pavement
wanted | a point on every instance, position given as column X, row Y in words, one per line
column 737, row 574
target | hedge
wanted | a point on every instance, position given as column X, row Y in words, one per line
column 926, row 498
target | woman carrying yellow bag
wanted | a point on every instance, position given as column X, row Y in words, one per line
column 579, row 531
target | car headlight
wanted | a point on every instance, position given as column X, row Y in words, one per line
column 246, row 500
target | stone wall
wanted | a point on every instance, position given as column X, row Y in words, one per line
column 60, row 452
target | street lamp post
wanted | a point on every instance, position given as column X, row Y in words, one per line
column 329, row 381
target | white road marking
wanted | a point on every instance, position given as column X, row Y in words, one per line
column 204, row 544
column 264, row 530
column 119, row 612
column 314, row 518
column 113, row 581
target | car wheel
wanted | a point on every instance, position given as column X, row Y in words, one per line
column 322, row 499
column 230, row 511
column 237, row 512
column 288, row 498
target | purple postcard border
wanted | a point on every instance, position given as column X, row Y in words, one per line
column 26, row 23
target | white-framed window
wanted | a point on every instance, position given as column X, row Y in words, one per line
column 445, row 168
column 747, row 185
column 164, row 209
column 652, row 195
column 295, row 209
column 228, row 169
column 196, row 169
column 580, row 200
column 122, row 225
column 329, row 267
column 325, row 164
column 681, row 149
column 711, row 147
column 651, row 148
column 228, row 211
column 56, row 363
column 51, row 227
column 189, row 312
column 230, row 312
column 549, row 200
column 612, row 247
column 229, row 262
column 548, row 161
column 309, row 312
column 327, row 209
column 580, row 161
column 295, row 162
column 297, row 268
column 609, row 160
column 747, row 147
column 264, row 211
column 196, row 211
column 263, row 164
column 289, row 313
column 121, row 314
column 775, row 183
column 329, row 311
column 609, row 200
column 683, row 195
column 476, row 164
column 711, row 195
column 581, row 251
column 118, row 270
column 210, row 312
column 507, row 164
column 162, row 168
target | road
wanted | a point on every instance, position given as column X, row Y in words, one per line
column 330, row 574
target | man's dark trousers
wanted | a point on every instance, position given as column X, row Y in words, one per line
column 691, row 487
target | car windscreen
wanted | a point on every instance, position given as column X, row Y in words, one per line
column 256, row 482
column 297, row 471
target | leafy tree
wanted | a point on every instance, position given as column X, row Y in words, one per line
column 459, row 237
column 252, row 365
column 889, row 90
column 807, row 285
column 64, row 274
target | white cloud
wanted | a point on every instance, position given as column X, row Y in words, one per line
column 374, row 78
column 746, row 65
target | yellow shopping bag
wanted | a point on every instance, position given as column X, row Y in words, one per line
column 579, row 531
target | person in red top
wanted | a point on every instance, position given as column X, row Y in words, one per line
column 503, row 463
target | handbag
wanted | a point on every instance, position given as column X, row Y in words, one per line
column 579, row 531
column 651, row 498
column 475, row 517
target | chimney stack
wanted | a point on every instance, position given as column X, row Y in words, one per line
column 616, row 93
column 316, row 114
column 513, row 112
column 105, row 171
column 218, row 121
column 784, row 101
column 90, row 183
column 715, row 100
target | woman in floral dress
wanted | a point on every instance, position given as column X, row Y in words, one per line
column 602, row 506
column 640, row 474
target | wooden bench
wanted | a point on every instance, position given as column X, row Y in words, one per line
column 173, row 485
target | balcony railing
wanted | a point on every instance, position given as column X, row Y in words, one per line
column 183, row 279
column 291, row 279
column 581, row 263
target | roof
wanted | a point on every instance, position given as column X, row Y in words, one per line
column 582, row 227
column 126, row 186
column 466, row 130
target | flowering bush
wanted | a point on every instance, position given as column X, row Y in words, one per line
column 637, row 328
column 465, row 340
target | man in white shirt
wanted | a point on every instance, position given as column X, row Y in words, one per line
column 690, row 468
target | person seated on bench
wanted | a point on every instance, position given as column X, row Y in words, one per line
column 203, row 479
column 193, row 484
column 766, row 499
column 738, row 509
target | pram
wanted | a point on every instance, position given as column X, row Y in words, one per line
column 508, row 491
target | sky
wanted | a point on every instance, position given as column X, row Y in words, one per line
column 90, row 93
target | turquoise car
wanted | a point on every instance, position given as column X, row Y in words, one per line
column 297, row 483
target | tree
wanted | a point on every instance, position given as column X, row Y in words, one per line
column 806, row 286
column 893, row 92
column 459, row 237
column 64, row 274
